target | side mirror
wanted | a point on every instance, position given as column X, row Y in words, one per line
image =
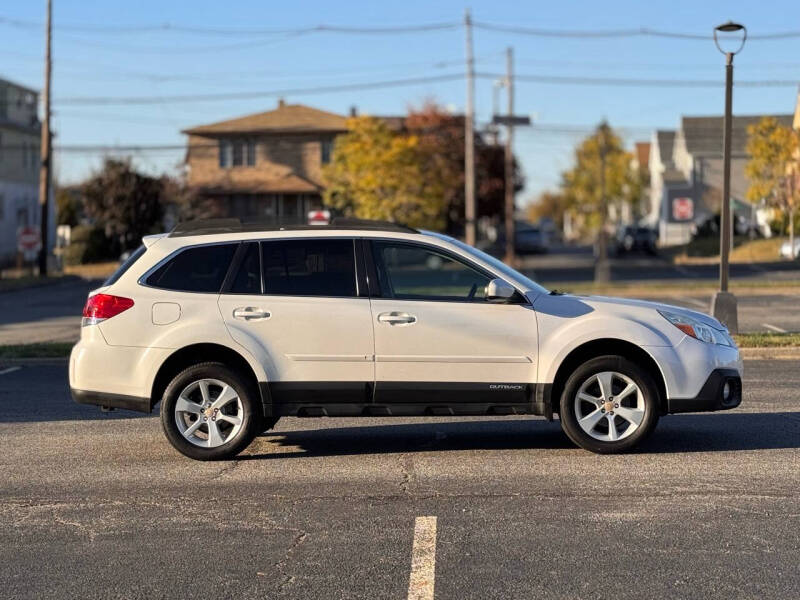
column 499, row 292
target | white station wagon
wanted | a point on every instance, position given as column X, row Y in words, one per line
column 230, row 327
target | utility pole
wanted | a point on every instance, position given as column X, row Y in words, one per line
column 602, row 272
column 469, row 139
column 44, row 170
column 509, row 160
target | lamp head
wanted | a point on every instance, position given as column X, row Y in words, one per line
column 730, row 27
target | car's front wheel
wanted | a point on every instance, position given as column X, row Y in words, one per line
column 609, row 404
column 210, row 412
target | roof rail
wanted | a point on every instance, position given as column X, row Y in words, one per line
column 233, row 225
column 352, row 223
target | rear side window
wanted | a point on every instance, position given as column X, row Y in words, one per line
column 309, row 267
column 127, row 264
column 198, row 269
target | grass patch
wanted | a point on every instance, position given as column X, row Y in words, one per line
column 41, row 350
column 767, row 340
column 706, row 250
column 92, row 270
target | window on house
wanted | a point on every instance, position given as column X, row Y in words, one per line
column 250, row 153
column 326, row 150
column 237, row 153
column 2, row 207
column 224, row 153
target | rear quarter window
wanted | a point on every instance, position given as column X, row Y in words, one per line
column 197, row 269
column 126, row 264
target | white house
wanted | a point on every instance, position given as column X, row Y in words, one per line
column 20, row 132
column 686, row 174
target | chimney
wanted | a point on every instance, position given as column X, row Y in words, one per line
column 281, row 103
column 354, row 111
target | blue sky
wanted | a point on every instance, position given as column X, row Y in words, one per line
column 162, row 63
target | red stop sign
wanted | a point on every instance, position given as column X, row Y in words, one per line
column 29, row 239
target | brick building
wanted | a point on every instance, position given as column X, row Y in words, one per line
column 265, row 166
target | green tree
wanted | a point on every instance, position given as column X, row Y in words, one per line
column 125, row 203
column 379, row 173
column 68, row 207
column 774, row 167
column 603, row 176
column 441, row 136
column 551, row 205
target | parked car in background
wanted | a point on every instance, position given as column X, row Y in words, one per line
column 788, row 252
column 635, row 238
column 528, row 239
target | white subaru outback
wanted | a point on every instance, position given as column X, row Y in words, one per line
column 232, row 326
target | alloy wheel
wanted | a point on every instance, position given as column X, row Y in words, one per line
column 609, row 406
column 209, row 413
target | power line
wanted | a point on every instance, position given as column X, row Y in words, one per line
column 102, row 100
column 620, row 33
column 636, row 82
column 549, row 79
column 234, row 31
column 386, row 29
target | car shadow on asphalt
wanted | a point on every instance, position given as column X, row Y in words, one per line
column 721, row 432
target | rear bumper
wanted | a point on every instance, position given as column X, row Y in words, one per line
column 711, row 396
column 111, row 400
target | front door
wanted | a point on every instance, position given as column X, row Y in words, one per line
column 437, row 339
column 295, row 303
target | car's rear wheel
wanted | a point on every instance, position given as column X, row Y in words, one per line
column 609, row 404
column 210, row 412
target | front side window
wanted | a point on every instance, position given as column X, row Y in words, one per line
column 197, row 269
column 412, row 272
column 323, row 267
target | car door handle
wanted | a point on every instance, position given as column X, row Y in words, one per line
column 250, row 313
column 397, row 318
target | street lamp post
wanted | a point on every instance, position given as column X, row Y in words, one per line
column 723, row 304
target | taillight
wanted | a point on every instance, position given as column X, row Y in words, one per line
column 103, row 306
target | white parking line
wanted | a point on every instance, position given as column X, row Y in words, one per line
column 9, row 370
column 423, row 559
column 774, row 328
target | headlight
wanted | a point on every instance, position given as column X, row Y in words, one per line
column 698, row 330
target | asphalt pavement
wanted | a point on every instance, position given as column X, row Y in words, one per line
column 99, row 505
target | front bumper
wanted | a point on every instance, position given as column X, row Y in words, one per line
column 711, row 396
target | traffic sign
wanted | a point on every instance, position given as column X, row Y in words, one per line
column 682, row 209
column 29, row 239
column 319, row 217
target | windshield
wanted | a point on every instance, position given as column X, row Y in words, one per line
column 494, row 262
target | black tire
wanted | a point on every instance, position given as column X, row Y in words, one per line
column 569, row 419
column 252, row 416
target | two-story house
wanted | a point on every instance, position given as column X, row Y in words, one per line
column 266, row 166
column 20, row 132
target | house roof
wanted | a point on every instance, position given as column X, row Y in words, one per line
column 291, row 183
column 674, row 176
column 703, row 135
column 287, row 118
column 665, row 140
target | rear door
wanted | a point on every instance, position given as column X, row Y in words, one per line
column 298, row 302
column 437, row 339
